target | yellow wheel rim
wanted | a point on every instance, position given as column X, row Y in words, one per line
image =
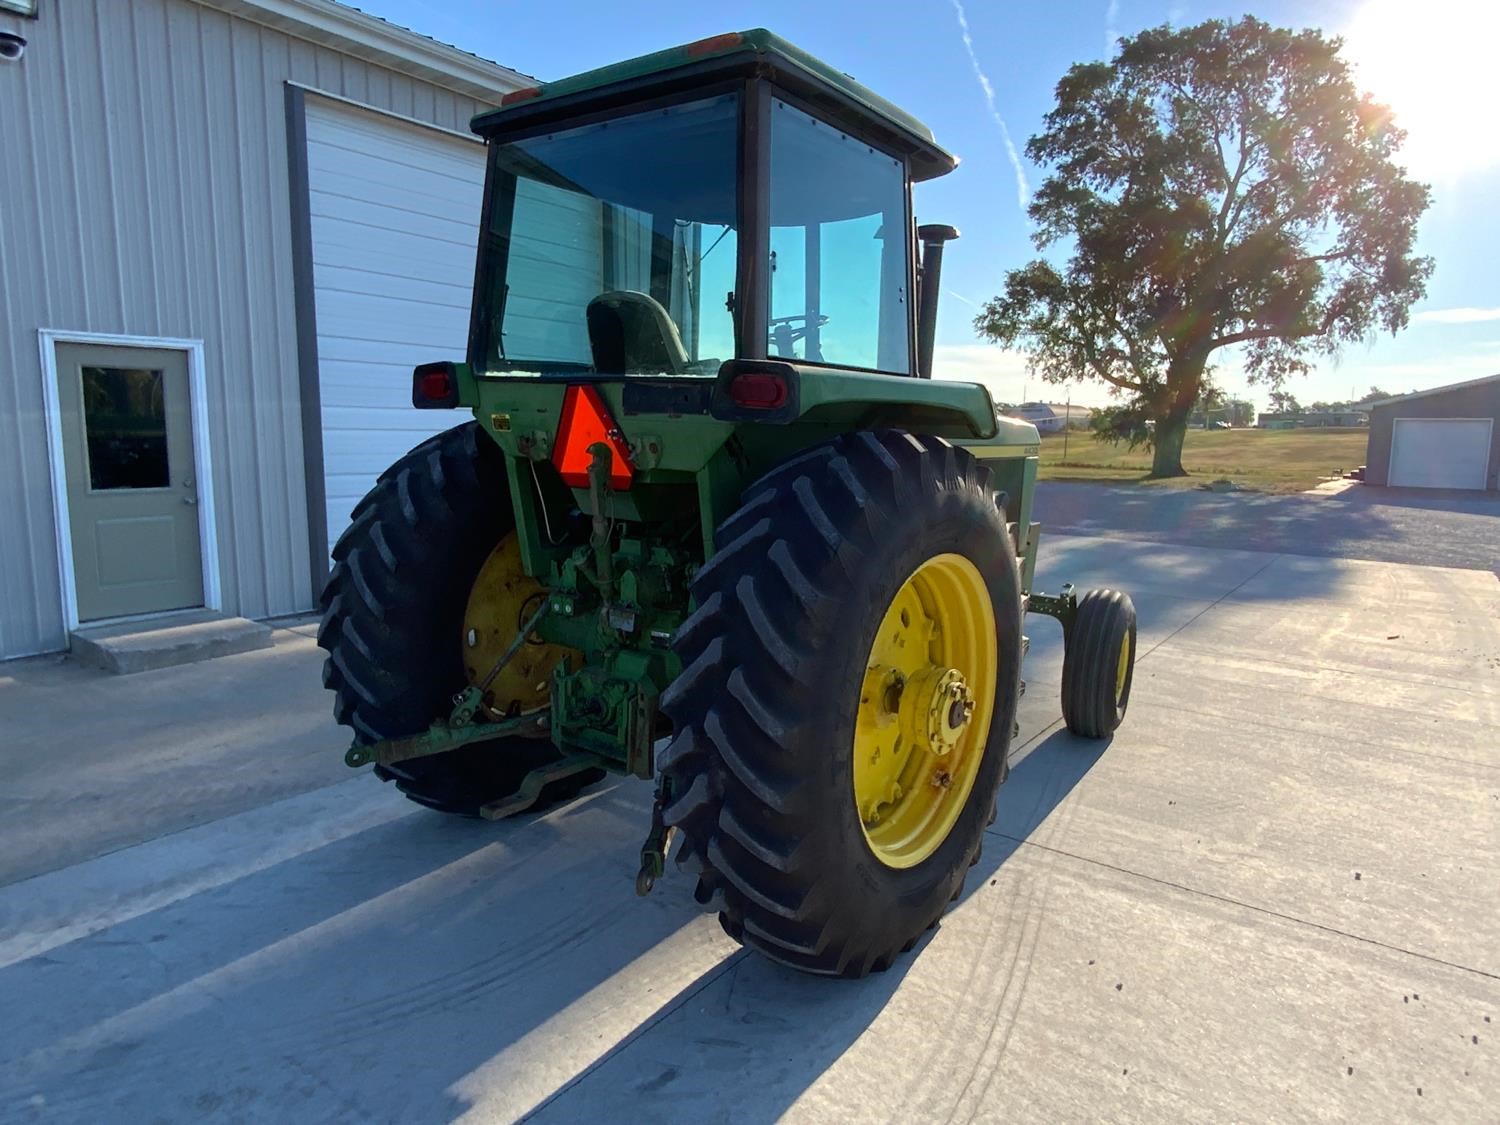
column 502, row 598
column 925, row 708
column 1122, row 667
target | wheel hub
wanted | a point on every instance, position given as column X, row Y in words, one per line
column 502, row 598
column 936, row 709
column 925, row 708
column 1122, row 667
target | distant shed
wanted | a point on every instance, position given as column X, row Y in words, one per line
column 1442, row 438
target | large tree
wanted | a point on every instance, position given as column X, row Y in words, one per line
column 1218, row 185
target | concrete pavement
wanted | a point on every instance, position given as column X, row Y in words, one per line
column 1275, row 894
column 94, row 762
column 1423, row 526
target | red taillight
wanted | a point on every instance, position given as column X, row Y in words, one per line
column 713, row 43
column 434, row 386
column 758, row 391
column 523, row 95
column 585, row 421
column 437, row 384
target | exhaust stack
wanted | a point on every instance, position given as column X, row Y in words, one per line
column 932, row 237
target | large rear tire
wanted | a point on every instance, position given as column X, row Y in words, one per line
column 842, row 721
column 393, row 619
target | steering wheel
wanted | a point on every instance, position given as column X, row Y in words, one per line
column 784, row 335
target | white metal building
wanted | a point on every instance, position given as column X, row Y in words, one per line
column 229, row 229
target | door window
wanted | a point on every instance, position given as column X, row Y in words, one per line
column 125, row 423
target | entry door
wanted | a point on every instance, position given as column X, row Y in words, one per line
column 132, row 499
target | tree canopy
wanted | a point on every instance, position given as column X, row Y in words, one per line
column 1217, row 185
column 1283, row 402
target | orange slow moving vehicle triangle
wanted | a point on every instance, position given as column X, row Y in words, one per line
column 586, row 420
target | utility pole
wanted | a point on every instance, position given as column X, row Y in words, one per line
column 1067, row 422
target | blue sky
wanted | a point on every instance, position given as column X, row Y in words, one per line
column 1429, row 60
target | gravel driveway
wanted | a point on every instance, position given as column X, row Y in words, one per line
column 1415, row 526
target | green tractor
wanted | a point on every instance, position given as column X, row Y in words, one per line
column 714, row 523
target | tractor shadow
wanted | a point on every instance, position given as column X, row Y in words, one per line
column 747, row 1039
column 428, row 968
column 364, row 979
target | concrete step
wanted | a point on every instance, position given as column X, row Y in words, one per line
column 162, row 642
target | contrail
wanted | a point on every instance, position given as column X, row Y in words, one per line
column 1023, row 192
column 1111, row 27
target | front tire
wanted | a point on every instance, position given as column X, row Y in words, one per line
column 837, row 568
column 1098, row 663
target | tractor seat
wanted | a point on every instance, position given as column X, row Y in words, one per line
column 630, row 333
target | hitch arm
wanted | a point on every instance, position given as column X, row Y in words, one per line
column 1063, row 605
column 459, row 729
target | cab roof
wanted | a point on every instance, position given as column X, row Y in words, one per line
column 740, row 54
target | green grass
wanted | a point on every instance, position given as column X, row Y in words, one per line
column 1267, row 460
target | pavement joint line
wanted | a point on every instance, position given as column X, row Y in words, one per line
column 1210, row 606
column 1367, row 673
column 1248, row 906
column 1398, row 747
column 1028, row 744
column 125, row 847
column 724, row 966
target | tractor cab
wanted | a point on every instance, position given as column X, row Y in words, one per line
column 731, row 199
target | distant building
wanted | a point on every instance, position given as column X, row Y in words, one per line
column 1314, row 419
column 1442, row 438
column 1039, row 414
column 1050, row 417
column 1237, row 412
column 1077, row 416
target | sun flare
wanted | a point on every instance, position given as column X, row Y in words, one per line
column 1433, row 63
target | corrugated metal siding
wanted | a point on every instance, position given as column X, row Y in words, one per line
column 144, row 192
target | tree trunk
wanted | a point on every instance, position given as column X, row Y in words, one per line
column 1166, row 458
column 1184, row 377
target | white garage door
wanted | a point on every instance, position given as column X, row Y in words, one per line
column 1440, row 452
column 395, row 219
